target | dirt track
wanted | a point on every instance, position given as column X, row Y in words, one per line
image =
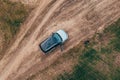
column 80, row 18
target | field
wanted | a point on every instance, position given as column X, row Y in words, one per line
column 99, row 59
column 11, row 17
column 82, row 20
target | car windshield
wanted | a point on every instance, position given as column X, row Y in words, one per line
column 51, row 42
column 56, row 37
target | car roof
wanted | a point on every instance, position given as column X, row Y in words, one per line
column 50, row 42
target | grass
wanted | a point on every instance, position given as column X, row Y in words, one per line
column 90, row 55
column 115, row 30
column 83, row 71
column 93, row 54
column 12, row 15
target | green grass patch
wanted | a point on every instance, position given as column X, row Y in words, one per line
column 105, row 50
column 114, row 29
column 116, row 74
column 83, row 71
column 89, row 54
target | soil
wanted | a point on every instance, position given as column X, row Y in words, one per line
column 79, row 18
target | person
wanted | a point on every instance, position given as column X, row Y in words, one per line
column 86, row 42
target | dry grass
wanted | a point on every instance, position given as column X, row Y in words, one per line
column 12, row 15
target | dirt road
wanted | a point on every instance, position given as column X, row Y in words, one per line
column 80, row 18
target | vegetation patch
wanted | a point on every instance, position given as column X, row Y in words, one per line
column 12, row 15
column 97, row 60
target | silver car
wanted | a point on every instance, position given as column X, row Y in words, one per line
column 56, row 39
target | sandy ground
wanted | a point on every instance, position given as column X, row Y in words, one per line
column 79, row 18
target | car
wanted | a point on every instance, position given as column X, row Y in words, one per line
column 57, row 38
